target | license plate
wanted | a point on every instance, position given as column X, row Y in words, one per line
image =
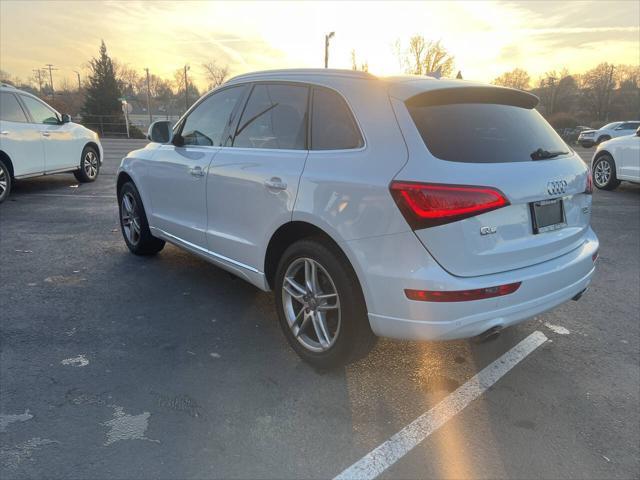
column 548, row 215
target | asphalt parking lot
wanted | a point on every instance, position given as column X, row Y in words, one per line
column 114, row 366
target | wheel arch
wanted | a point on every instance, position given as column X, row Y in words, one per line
column 602, row 153
column 7, row 161
column 95, row 146
column 123, row 177
column 293, row 231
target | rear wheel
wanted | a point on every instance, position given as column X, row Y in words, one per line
column 604, row 173
column 89, row 165
column 320, row 305
column 5, row 182
column 133, row 223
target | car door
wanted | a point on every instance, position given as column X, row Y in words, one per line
column 60, row 149
column 175, row 180
column 253, row 181
column 20, row 139
column 628, row 158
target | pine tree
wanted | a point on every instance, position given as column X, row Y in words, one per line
column 102, row 108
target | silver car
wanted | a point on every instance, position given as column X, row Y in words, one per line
column 404, row 207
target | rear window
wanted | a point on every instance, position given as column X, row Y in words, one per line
column 483, row 128
column 10, row 109
column 332, row 125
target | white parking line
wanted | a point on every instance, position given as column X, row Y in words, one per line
column 389, row 452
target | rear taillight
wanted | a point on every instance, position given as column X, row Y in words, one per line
column 427, row 204
column 589, row 188
column 461, row 295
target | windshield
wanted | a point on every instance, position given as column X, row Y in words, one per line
column 609, row 126
column 485, row 132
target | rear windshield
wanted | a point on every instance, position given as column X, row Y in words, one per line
column 484, row 132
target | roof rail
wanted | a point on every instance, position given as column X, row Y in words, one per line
column 306, row 71
column 7, row 85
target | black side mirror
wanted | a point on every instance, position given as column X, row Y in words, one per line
column 66, row 118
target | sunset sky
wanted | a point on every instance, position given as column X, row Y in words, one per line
column 486, row 38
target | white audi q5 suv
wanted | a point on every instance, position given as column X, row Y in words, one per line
column 407, row 207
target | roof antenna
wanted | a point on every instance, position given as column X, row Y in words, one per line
column 437, row 74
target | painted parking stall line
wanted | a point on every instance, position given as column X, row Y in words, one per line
column 392, row 450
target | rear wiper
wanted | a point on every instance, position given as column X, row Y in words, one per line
column 541, row 154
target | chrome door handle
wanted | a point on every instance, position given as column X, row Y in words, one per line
column 46, row 134
column 196, row 171
column 276, row 184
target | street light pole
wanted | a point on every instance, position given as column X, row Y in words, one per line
column 148, row 97
column 186, row 88
column 326, row 48
column 78, row 74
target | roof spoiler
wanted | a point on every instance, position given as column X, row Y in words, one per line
column 488, row 94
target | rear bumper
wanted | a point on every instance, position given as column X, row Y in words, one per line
column 544, row 286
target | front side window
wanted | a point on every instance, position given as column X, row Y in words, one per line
column 275, row 117
column 40, row 112
column 206, row 124
column 332, row 125
column 10, row 109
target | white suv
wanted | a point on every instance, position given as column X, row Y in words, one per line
column 37, row 140
column 406, row 207
column 589, row 138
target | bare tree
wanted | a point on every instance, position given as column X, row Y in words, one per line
column 597, row 87
column 516, row 78
column 423, row 57
column 216, row 74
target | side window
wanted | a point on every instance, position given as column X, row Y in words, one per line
column 40, row 112
column 10, row 109
column 275, row 117
column 630, row 126
column 332, row 125
column 205, row 125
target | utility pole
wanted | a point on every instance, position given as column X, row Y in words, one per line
column 326, row 48
column 38, row 73
column 148, row 97
column 50, row 67
column 186, row 88
column 78, row 74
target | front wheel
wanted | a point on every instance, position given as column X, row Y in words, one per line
column 604, row 173
column 603, row 138
column 89, row 165
column 320, row 305
column 133, row 223
column 5, row 182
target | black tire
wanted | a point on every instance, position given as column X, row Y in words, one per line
column 142, row 243
column 605, row 163
column 89, row 165
column 354, row 338
column 5, row 182
column 603, row 138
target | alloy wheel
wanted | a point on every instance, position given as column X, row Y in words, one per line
column 602, row 173
column 130, row 218
column 90, row 164
column 311, row 305
column 4, row 180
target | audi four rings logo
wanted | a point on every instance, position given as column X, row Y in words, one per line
column 557, row 187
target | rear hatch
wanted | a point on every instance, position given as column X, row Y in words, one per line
column 517, row 194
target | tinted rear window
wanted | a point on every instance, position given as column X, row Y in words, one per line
column 483, row 132
column 10, row 109
column 332, row 125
